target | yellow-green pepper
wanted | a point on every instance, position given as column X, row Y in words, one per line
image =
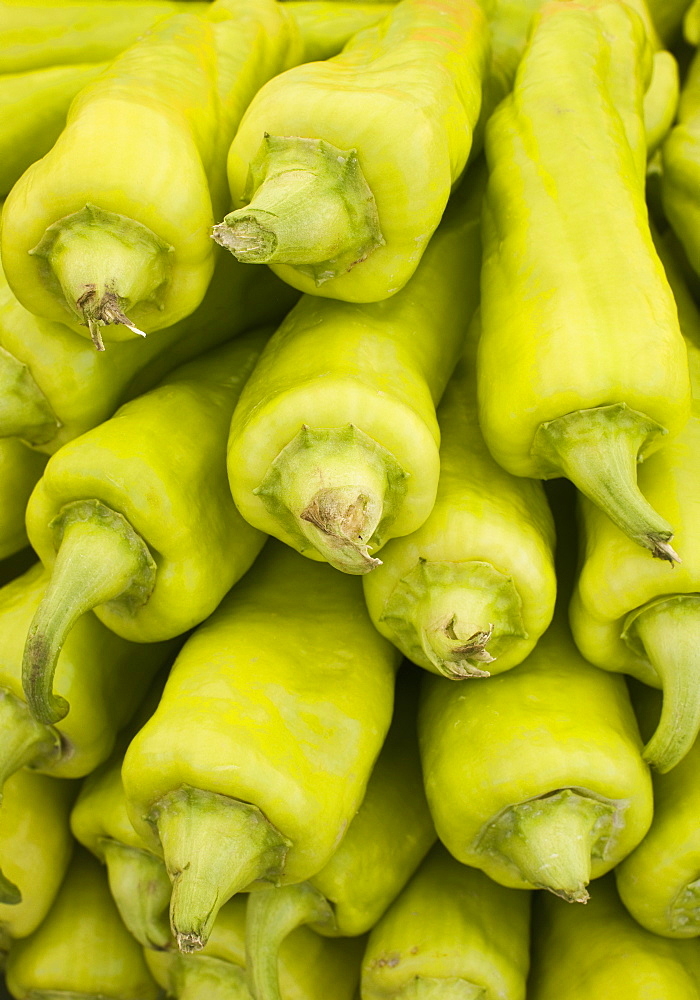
column 326, row 26
column 575, row 378
column 334, row 442
column 680, row 178
column 20, row 470
column 259, row 753
column 82, row 951
column 453, row 934
column 135, row 518
column 661, row 100
column 472, row 589
column 325, row 186
column 385, row 842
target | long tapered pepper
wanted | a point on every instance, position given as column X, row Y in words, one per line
column 324, row 186
column 385, row 842
column 473, row 589
column 136, row 520
column 20, row 470
column 334, row 443
column 259, row 753
column 453, row 934
column 576, row 379
column 82, row 949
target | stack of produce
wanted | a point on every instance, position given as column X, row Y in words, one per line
column 360, row 277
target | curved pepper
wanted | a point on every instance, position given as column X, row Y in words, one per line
column 91, row 241
column 680, row 176
column 472, row 589
column 452, row 934
column 598, row 950
column 576, row 379
column 35, row 848
column 631, row 615
column 334, row 443
column 325, row 187
column 260, row 751
column 136, row 520
column 20, row 470
column 385, row 842
column 82, row 950
column 661, row 100
column 103, row 678
column 311, row 967
column 326, row 26
column 536, row 775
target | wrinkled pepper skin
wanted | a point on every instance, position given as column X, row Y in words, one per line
column 378, row 370
column 82, row 949
column 558, row 737
column 658, row 881
column 565, row 362
column 282, row 700
column 35, row 847
column 681, row 166
column 311, row 967
column 451, row 928
column 598, row 950
column 484, row 521
column 20, row 470
column 418, row 73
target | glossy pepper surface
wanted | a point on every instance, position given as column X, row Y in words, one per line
column 325, row 187
column 260, row 751
column 334, row 443
column 576, row 379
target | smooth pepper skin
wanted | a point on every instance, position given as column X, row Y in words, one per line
column 82, row 949
column 681, row 166
column 453, row 925
column 482, row 515
column 418, row 74
column 160, row 462
column 598, row 950
column 565, row 227
column 20, row 470
column 381, row 368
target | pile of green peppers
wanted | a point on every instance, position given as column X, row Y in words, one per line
column 349, row 475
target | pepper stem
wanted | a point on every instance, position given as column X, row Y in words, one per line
column 24, row 740
column 24, row 409
column 214, row 847
column 669, row 632
column 427, row 988
column 203, row 978
column 444, row 614
column 141, row 889
column 309, row 206
column 684, row 916
column 100, row 558
column 598, row 450
column 270, row 917
column 101, row 265
column 550, row 840
column 335, row 490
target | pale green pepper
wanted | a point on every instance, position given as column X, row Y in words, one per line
column 20, row 470
column 681, row 163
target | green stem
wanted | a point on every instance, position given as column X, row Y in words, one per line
column 335, row 490
column 598, row 450
column 141, row 889
column 24, row 740
column 424, row 988
column 102, row 264
column 214, row 847
column 669, row 632
column 684, row 915
column 309, row 206
column 270, row 917
column 100, row 559
column 444, row 614
column 203, row 978
column 550, row 840
column 24, row 409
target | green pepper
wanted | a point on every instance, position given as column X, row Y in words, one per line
column 668, row 17
column 661, row 100
column 599, row 951
column 324, row 185
column 681, row 164
column 473, row 588
column 20, row 470
column 536, row 776
column 82, row 951
column 311, row 967
column 384, row 844
column 452, row 934
column 103, row 677
column 334, row 443
column 631, row 615
column 136, row 520
column 576, row 379
column 35, row 848
column 260, row 751
column 326, row 26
